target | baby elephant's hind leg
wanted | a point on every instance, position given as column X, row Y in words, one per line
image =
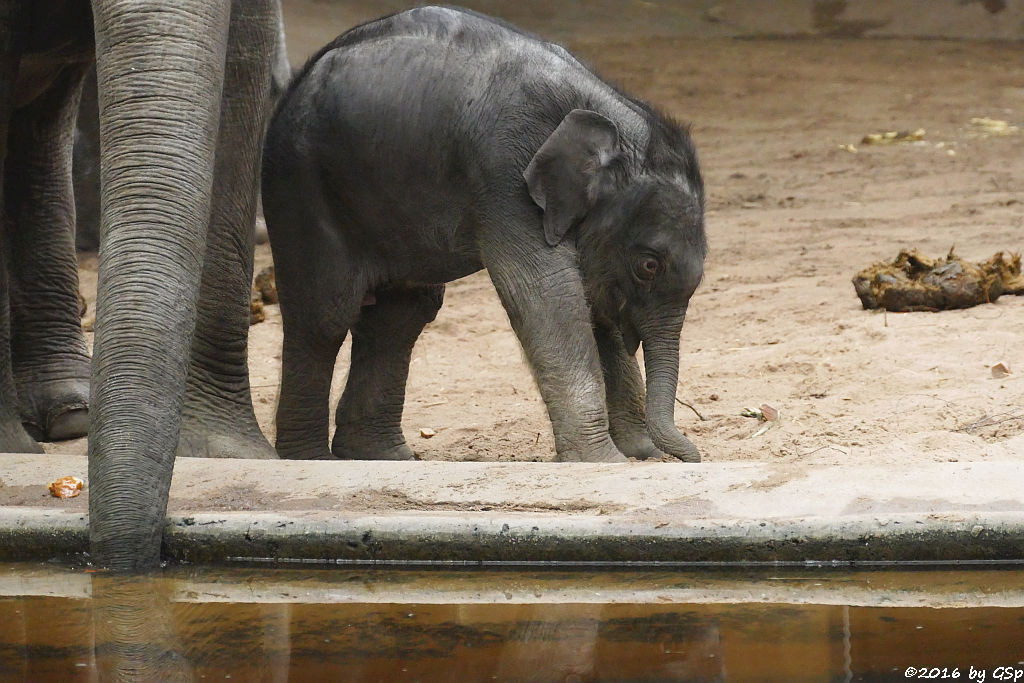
column 369, row 417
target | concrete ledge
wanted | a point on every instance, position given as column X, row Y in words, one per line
column 41, row 533
column 517, row 538
column 437, row 512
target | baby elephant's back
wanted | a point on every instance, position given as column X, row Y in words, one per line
column 424, row 92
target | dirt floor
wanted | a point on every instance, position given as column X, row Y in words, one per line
column 791, row 218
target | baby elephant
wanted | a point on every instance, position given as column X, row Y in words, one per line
column 424, row 146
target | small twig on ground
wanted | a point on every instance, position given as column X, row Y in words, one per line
column 763, row 429
column 990, row 420
column 695, row 411
column 822, row 448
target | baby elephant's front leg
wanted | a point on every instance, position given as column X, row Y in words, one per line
column 546, row 304
column 625, row 394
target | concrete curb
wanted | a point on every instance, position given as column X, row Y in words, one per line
column 523, row 539
column 35, row 534
column 524, row 513
column 480, row 539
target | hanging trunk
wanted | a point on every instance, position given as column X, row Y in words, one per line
column 661, row 361
column 160, row 71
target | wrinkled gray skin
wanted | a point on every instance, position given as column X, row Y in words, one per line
column 86, row 162
column 425, row 146
column 179, row 164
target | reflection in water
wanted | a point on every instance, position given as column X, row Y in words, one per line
column 133, row 630
column 345, row 625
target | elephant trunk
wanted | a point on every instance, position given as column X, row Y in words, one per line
column 281, row 72
column 661, row 361
column 160, row 71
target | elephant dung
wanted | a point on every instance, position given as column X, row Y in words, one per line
column 266, row 285
column 264, row 291
column 913, row 282
column 256, row 312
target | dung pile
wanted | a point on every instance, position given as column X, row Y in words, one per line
column 256, row 312
column 917, row 283
column 264, row 291
column 266, row 285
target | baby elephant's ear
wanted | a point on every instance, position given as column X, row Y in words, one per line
column 566, row 175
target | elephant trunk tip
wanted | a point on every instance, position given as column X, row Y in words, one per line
column 672, row 441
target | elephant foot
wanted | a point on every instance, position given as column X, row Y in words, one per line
column 72, row 423
column 638, row 446
column 198, row 441
column 319, row 454
column 368, row 449
column 302, row 449
column 55, row 410
column 223, row 427
column 14, row 438
column 604, row 453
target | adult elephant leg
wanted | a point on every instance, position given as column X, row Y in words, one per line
column 86, row 167
column 369, row 418
column 48, row 349
column 13, row 438
column 218, row 418
column 160, row 71
column 624, row 389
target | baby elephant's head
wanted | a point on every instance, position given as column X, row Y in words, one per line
column 639, row 236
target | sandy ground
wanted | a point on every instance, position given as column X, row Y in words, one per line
column 792, row 217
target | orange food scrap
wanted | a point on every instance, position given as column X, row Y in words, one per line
column 66, row 487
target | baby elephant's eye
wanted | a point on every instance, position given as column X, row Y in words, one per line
column 648, row 267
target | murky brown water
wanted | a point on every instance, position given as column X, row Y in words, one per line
column 383, row 625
